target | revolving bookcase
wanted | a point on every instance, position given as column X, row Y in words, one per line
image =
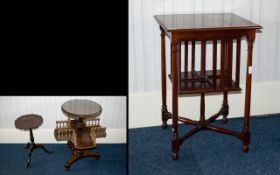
column 81, row 129
column 216, row 31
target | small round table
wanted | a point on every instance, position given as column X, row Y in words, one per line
column 29, row 122
column 81, row 111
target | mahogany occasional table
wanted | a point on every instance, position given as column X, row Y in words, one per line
column 80, row 132
column 217, row 29
column 29, row 122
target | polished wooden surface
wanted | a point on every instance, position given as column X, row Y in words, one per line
column 210, row 21
column 83, row 138
column 220, row 30
column 81, row 108
column 29, row 121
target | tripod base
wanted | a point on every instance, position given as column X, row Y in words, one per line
column 31, row 146
column 79, row 154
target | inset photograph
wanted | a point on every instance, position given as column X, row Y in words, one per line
column 59, row 134
column 204, row 81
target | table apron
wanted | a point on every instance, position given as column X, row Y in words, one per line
column 209, row 35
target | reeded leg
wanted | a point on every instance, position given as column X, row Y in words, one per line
column 225, row 107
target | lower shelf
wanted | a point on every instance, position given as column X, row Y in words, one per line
column 193, row 83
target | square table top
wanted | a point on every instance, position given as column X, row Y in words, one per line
column 204, row 22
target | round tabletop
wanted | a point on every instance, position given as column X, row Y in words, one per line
column 29, row 121
column 81, row 109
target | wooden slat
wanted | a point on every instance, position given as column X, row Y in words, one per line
column 187, row 121
column 226, row 62
column 203, row 58
column 229, row 56
column 223, row 130
column 193, row 55
column 223, row 63
column 237, row 73
column 214, row 63
column 192, row 85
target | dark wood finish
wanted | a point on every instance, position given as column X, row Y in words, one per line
column 81, row 149
column 229, row 61
column 29, row 122
column 246, row 132
column 202, row 107
column 193, row 83
column 83, row 137
column 237, row 73
column 186, row 56
column 186, row 120
column 203, row 74
column 193, row 55
column 214, row 63
column 174, row 63
column 224, row 28
column 201, row 22
column 179, row 56
column 165, row 115
column 223, row 52
column 79, row 154
column 225, row 107
column 81, row 132
column 203, row 59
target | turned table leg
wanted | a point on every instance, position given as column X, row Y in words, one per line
column 30, row 150
column 31, row 146
column 165, row 115
column 202, row 108
column 174, row 63
column 246, row 130
column 225, row 107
